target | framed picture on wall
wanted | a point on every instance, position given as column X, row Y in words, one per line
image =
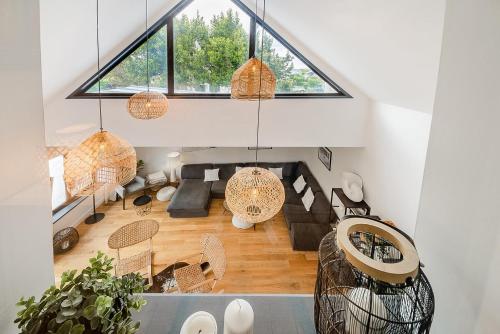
column 325, row 156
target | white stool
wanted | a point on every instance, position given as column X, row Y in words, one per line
column 240, row 223
column 165, row 193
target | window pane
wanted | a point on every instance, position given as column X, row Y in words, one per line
column 129, row 76
column 211, row 42
column 292, row 75
column 56, row 172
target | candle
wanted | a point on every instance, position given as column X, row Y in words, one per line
column 238, row 318
column 199, row 323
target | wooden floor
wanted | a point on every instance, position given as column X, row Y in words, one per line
column 260, row 261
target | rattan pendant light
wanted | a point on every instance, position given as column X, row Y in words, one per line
column 148, row 104
column 255, row 194
column 103, row 158
column 254, row 79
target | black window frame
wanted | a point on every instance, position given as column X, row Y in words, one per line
column 167, row 19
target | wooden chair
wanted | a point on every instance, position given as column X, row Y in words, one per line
column 130, row 235
column 192, row 278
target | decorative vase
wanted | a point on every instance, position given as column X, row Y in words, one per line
column 199, row 323
column 352, row 186
column 238, row 318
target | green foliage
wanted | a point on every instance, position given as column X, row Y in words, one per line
column 207, row 53
column 93, row 301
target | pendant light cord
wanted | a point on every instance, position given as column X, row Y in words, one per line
column 98, row 65
column 147, row 46
column 260, row 79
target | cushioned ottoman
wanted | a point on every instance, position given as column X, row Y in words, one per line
column 165, row 194
column 192, row 199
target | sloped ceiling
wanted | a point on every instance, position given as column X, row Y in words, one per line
column 389, row 49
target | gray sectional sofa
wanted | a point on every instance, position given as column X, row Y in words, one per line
column 306, row 229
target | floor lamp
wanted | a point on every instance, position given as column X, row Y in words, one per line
column 96, row 216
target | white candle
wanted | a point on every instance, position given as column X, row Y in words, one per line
column 199, row 323
column 238, row 318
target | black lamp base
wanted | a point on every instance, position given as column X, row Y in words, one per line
column 94, row 218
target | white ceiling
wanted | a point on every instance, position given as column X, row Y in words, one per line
column 389, row 49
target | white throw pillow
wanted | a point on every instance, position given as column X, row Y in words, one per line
column 308, row 199
column 211, row 174
column 277, row 171
column 237, row 169
column 299, row 184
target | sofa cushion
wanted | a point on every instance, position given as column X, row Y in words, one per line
column 291, row 197
column 218, row 189
column 277, row 171
column 226, row 170
column 194, row 171
column 308, row 199
column 307, row 237
column 311, row 181
column 191, row 199
column 211, row 175
column 297, row 214
column 288, row 171
column 320, row 209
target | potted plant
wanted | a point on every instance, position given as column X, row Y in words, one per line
column 140, row 165
column 93, row 301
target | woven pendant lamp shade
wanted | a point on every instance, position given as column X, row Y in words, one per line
column 101, row 159
column 246, row 81
column 254, row 194
column 147, row 105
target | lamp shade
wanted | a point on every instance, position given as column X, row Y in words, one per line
column 246, row 81
column 254, row 194
column 147, row 105
column 174, row 159
column 103, row 158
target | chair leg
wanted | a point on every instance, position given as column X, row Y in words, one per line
column 123, row 201
column 150, row 276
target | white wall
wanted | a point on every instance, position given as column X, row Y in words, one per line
column 458, row 221
column 391, row 164
column 79, row 213
column 25, row 202
column 155, row 158
column 389, row 49
column 295, row 122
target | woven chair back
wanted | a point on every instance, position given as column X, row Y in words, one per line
column 213, row 252
column 133, row 233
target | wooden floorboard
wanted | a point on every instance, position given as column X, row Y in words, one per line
column 260, row 261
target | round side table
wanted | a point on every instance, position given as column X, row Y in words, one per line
column 142, row 205
column 240, row 223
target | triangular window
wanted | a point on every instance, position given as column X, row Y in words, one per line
column 194, row 50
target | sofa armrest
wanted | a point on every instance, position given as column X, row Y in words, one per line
column 140, row 180
column 120, row 191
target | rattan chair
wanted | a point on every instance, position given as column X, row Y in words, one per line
column 130, row 235
column 192, row 278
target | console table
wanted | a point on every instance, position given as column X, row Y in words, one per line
column 347, row 203
column 274, row 314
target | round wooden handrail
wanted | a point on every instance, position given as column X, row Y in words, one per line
column 394, row 273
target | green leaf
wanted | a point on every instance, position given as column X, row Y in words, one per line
column 94, row 323
column 65, row 328
column 90, row 312
column 67, row 303
column 69, row 312
column 78, row 329
column 78, row 299
column 60, row 318
column 52, row 324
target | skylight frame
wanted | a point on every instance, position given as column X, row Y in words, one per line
column 167, row 20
